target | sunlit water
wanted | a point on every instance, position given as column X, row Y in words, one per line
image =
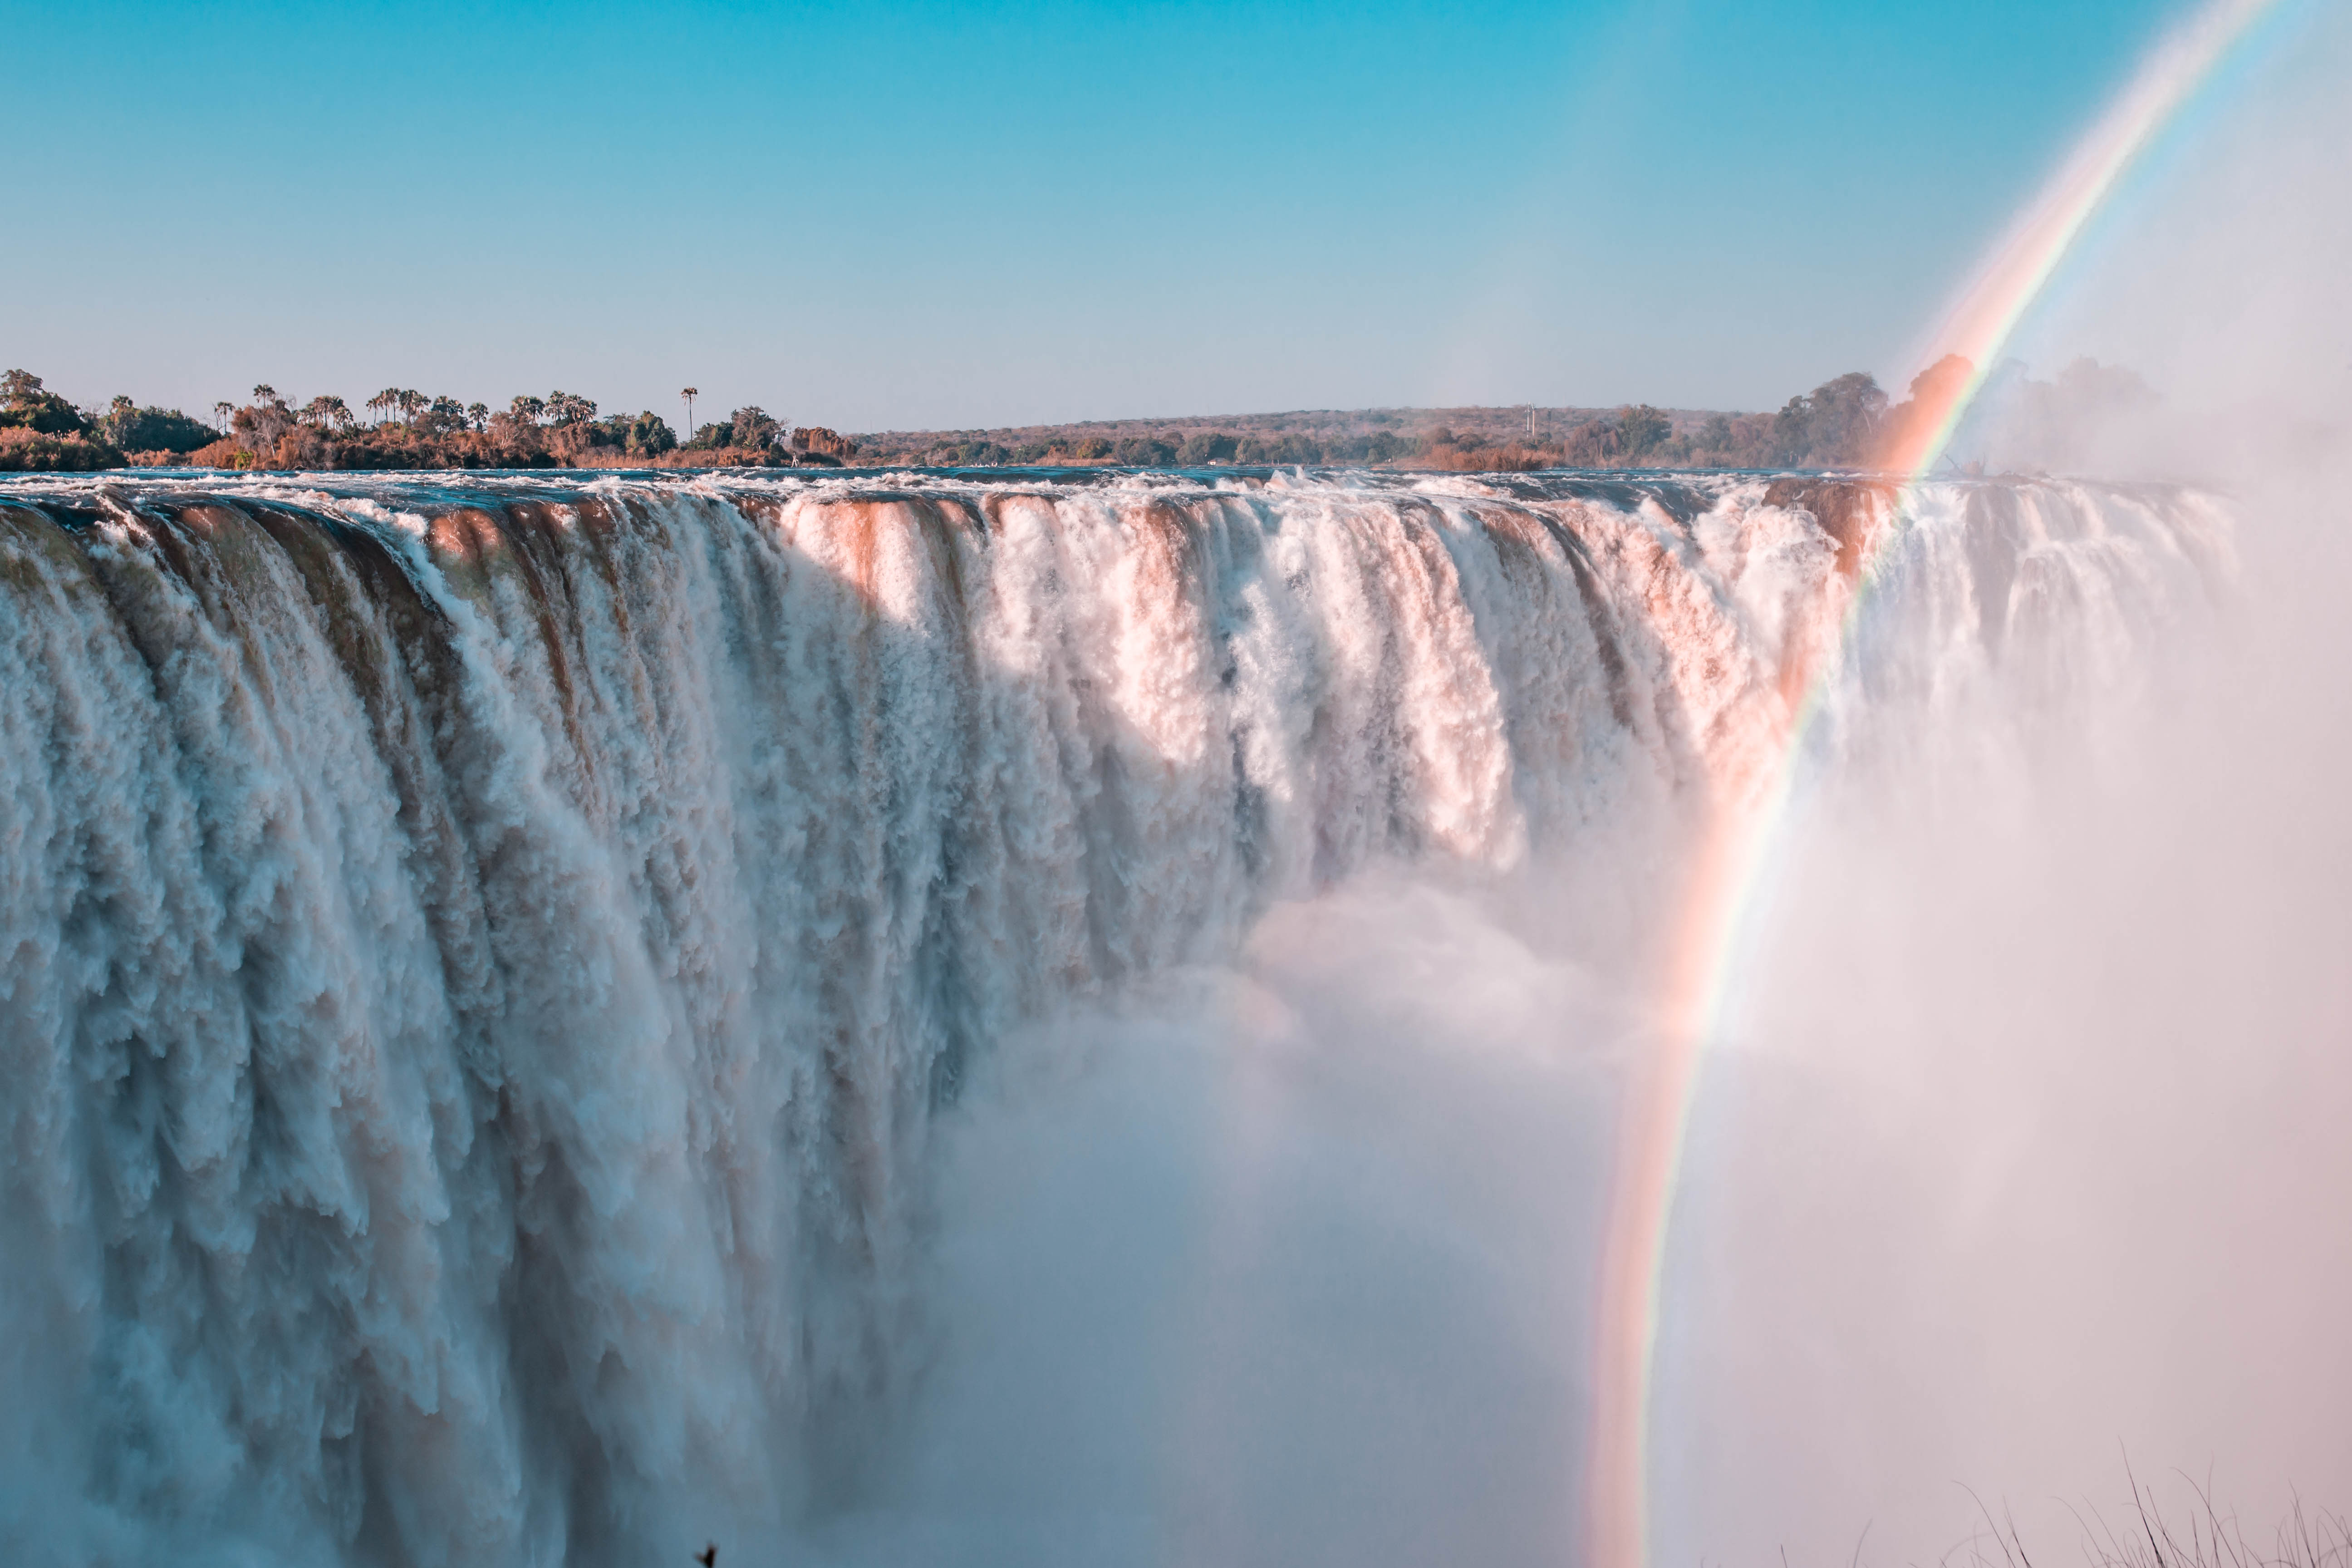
column 902, row 1018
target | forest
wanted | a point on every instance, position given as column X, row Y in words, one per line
column 1848, row 422
column 1837, row 424
column 398, row 429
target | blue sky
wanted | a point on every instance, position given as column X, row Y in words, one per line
column 952, row 215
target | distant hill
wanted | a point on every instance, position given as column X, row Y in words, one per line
column 1831, row 425
column 1519, row 435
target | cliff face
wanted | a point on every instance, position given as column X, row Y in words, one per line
column 1844, row 507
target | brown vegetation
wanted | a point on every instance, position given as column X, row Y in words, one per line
column 35, row 451
column 561, row 430
column 41, row 431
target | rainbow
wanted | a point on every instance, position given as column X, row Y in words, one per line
column 1728, row 865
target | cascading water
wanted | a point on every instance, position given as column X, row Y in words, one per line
column 483, row 959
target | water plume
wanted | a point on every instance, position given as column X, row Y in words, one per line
column 2018, row 1159
column 550, row 1020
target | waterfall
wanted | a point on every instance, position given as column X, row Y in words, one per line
column 482, row 958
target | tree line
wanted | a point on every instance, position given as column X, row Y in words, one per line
column 40, row 430
column 1845, row 422
column 399, row 427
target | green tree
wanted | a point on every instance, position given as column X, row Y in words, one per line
column 1145, row 451
column 25, row 404
column 1836, row 423
column 1202, row 448
column 650, row 433
column 1846, row 415
column 751, row 429
column 154, row 429
column 569, row 408
column 1641, row 429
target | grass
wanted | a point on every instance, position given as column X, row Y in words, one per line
column 2204, row 1536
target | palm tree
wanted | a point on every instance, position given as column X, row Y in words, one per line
column 385, row 402
column 690, row 395
column 325, row 410
column 221, row 411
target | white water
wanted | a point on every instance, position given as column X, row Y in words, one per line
column 486, row 969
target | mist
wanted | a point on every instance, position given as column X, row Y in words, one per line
column 1089, row 1020
column 2016, row 1176
column 1288, row 1262
column 2023, row 1164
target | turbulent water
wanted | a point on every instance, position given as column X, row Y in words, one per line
column 481, row 961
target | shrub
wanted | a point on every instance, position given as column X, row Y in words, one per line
column 752, row 429
column 25, row 405
column 1145, row 452
column 1205, row 446
column 1643, row 429
column 648, row 435
column 24, row 451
